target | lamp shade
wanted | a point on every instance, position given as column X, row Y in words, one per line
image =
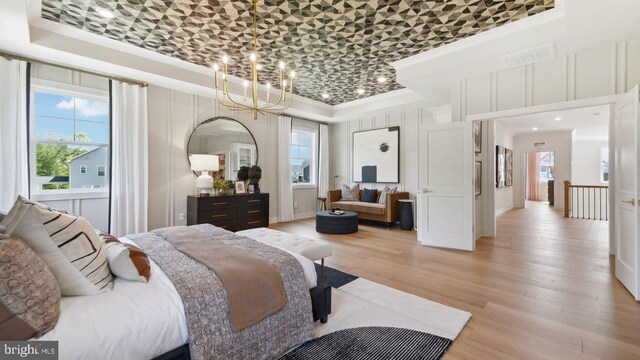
column 202, row 162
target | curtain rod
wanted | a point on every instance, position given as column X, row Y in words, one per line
column 10, row 56
column 301, row 118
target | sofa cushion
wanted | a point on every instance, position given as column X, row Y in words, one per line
column 350, row 193
column 360, row 206
column 369, row 195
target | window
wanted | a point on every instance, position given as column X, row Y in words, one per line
column 604, row 165
column 547, row 162
column 303, row 157
column 69, row 133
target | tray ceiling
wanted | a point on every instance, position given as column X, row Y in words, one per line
column 334, row 46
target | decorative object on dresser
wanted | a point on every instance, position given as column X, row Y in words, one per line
column 255, row 174
column 230, row 212
column 222, row 186
column 240, row 187
column 376, row 155
column 204, row 163
column 230, row 140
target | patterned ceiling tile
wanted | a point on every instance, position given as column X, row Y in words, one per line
column 334, row 46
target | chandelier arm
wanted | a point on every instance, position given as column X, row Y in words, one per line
column 223, row 102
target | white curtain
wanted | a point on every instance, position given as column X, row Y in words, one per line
column 14, row 160
column 285, row 191
column 129, row 161
column 323, row 161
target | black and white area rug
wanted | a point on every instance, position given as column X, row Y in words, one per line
column 373, row 342
column 334, row 278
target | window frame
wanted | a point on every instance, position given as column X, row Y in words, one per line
column 314, row 157
column 98, row 170
column 56, row 88
column 83, row 169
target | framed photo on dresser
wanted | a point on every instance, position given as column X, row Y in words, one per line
column 240, row 187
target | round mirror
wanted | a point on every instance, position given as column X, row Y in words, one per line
column 227, row 138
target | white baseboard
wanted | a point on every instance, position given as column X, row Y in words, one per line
column 273, row 220
column 503, row 210
column 305, row 215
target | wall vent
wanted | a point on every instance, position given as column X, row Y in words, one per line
column 530, row 56
column 539, row 145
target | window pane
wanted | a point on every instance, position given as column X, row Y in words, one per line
column 92, row 132
column 305, row 152
column 92, row 110
column 295, row 138
column 305, row 139
column 295, row 151
column 53, row 105
column 48, row 128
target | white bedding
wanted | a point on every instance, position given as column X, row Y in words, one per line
column 133, row 321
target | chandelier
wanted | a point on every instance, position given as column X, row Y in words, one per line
column 255, row 106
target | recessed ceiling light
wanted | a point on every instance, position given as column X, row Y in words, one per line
column 382, row 79
column 534, row 128
column 105, row 13
column 360, row 91
column 325, row 96
column 558, row 118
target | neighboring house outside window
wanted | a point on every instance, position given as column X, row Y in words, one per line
column 303, row 157
column 69, row 136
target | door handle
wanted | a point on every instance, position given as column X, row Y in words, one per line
column 426, row 191
column 632, row 202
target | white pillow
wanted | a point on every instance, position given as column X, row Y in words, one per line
column 128, row 262
column 67, row 244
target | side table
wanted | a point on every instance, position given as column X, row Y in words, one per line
column 406, row 214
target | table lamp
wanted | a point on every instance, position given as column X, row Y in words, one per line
column 204, row 163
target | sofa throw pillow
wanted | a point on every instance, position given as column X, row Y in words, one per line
column 126, row 261
column 68, row 244
column 369, row 195
column 29, row 294
column 350, row 193
column 383, row 194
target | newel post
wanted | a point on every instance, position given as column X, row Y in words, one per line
column 567, row 188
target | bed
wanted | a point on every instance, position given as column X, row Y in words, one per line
column 136, row 320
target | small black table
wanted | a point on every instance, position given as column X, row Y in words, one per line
column 406, row 214
column 327, row 223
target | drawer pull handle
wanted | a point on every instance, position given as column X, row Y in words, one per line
column 221, row 215
column 253, row 222
column 219, row 203
column 256, row 200
column 253, row 211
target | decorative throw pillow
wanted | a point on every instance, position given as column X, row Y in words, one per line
column 68, row 244
column 350, row 193
column 126, row 261
column 369, row 195
column 385, row 191
column 29, row 294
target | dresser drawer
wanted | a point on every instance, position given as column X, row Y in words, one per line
column 214, row 203
column 253, row 211
column 217, row 215
column 245, row 224
column 252, row 200
column 225, row 224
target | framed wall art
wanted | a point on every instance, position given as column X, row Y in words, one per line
column 500, row 166
column 376, row 155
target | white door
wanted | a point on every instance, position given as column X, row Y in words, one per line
column 626, row 196
column 445, row 205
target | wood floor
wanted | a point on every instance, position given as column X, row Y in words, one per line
column 542, row 289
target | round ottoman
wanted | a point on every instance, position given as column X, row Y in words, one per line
column 327, row 223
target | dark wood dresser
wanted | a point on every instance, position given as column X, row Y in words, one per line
column 230, row 212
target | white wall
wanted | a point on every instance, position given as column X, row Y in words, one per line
column 586, row 161
column 411, row 118
column 606, row 70
column 559, row 142
column 504, row 200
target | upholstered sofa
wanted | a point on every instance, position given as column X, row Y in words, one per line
column 387, row 213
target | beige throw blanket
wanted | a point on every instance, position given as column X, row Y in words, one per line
column 254, row 288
